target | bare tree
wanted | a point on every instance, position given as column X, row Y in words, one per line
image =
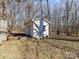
column 68, row 8
column 76, row 9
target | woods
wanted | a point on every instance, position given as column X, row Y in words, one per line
column 63, row 17
column 39, row 29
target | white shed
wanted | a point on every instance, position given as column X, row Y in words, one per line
column 32, row 28
column 3, row 30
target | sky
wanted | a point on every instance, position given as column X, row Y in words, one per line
column 54, row 1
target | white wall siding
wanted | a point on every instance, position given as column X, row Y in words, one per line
column 46, row 32
column 3, row 30
column 36, row 30
column 3, row 25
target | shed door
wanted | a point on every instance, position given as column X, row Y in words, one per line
column 29, row 31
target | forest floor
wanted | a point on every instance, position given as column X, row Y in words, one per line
column 28, row 48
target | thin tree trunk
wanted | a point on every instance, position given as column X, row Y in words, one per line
column 41, row 21
column 76, row 18
column 49, row 17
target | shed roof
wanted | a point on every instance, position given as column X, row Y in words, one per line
column 28, row 22
column 31, row 20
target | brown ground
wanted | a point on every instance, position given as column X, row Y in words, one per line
column 39, row 49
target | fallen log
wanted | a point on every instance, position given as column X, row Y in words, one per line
column 68, row 38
